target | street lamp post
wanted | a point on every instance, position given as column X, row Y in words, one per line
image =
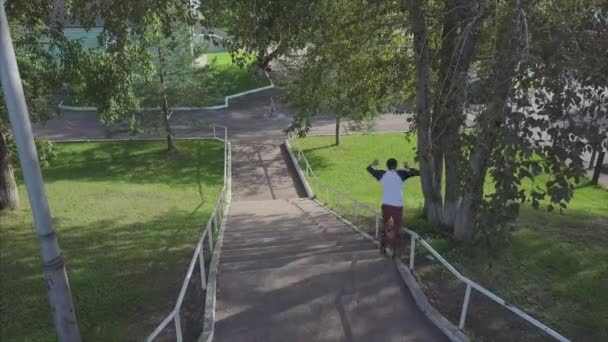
column 58, row 287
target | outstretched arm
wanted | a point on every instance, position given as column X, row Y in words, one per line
column 408, row 172
column 376, row 173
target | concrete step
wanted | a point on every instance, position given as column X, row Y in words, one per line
column 289, row 239
column 310, row 260
column 253, row 227
column 363, row 246
column 244, row 236
column 351, row 300
column 299, row 247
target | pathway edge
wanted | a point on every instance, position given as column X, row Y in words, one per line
column 449, row 330
column 210, row 297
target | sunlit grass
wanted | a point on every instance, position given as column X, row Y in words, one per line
column 127, row 218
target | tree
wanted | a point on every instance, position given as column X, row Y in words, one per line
column 328, row 79
column 267, row 29
column 41, row 77
column 173, row 65
column 534, row 107
column 144, row 38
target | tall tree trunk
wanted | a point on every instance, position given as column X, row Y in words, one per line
column 9, row 196
column 452, row 154
column 337, row 130
column 166, row 112
column 430, row 188
column 461, row 33
column 598, row 168
column 508, row 54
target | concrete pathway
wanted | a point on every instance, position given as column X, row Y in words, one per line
column 290, row 271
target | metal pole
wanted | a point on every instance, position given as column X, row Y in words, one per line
column 201, row 260
column 338, row 198
column 412, row 251
column 465, row 307
column 377, row 225
column 178, row 328
column 56, row 278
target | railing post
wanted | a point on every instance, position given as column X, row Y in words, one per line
column 338, row 198
column 465, row 307
column 377, row 225
column 210, row 228
column 201, row 260
column 214, row 131
column 178, row 328
column 356, row 213
column 412, row 251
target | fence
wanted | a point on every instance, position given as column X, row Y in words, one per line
column 368, row 220
column 209, row 234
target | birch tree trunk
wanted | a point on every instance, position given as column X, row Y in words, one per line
column 507, row 56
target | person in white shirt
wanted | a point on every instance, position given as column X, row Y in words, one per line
column 392, row 181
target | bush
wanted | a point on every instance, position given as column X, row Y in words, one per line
column 47, row 152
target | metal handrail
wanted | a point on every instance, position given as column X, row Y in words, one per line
column 414, row 239
column 209, row 233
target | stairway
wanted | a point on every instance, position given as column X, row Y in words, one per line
column 291, row 271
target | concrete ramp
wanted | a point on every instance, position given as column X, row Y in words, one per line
column 291, row 271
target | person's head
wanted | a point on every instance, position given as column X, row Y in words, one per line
column 391, row 164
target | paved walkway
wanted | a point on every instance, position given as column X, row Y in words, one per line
column 290, row 271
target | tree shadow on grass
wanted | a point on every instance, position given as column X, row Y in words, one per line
column 317, row 162
column 139, row 162
column 124, row 277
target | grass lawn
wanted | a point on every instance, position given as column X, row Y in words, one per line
column 128, row 216
column 201, row 87
column 555, row 267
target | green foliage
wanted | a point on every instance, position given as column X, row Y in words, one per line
column 349, row 68
column 132, row 30
column 41, row 77
column 47, row 152
column 266, row 29
column 127, row 218
column 501, row 101
column 107, row 84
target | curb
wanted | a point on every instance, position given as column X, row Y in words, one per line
column 296, row 164
column 126, row 139
column 449, row 330
column 227, row 99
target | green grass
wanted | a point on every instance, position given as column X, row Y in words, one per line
column 128, row 216
column 555, row 266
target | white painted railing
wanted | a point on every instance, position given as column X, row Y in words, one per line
column 209, row 234
column 319, row 187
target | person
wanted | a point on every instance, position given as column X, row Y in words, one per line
column 392, row 181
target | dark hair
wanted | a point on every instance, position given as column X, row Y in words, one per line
column 391, row 164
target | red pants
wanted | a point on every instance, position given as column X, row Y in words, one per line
column 390, row 235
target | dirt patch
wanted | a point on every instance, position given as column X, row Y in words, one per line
column 486, row 320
